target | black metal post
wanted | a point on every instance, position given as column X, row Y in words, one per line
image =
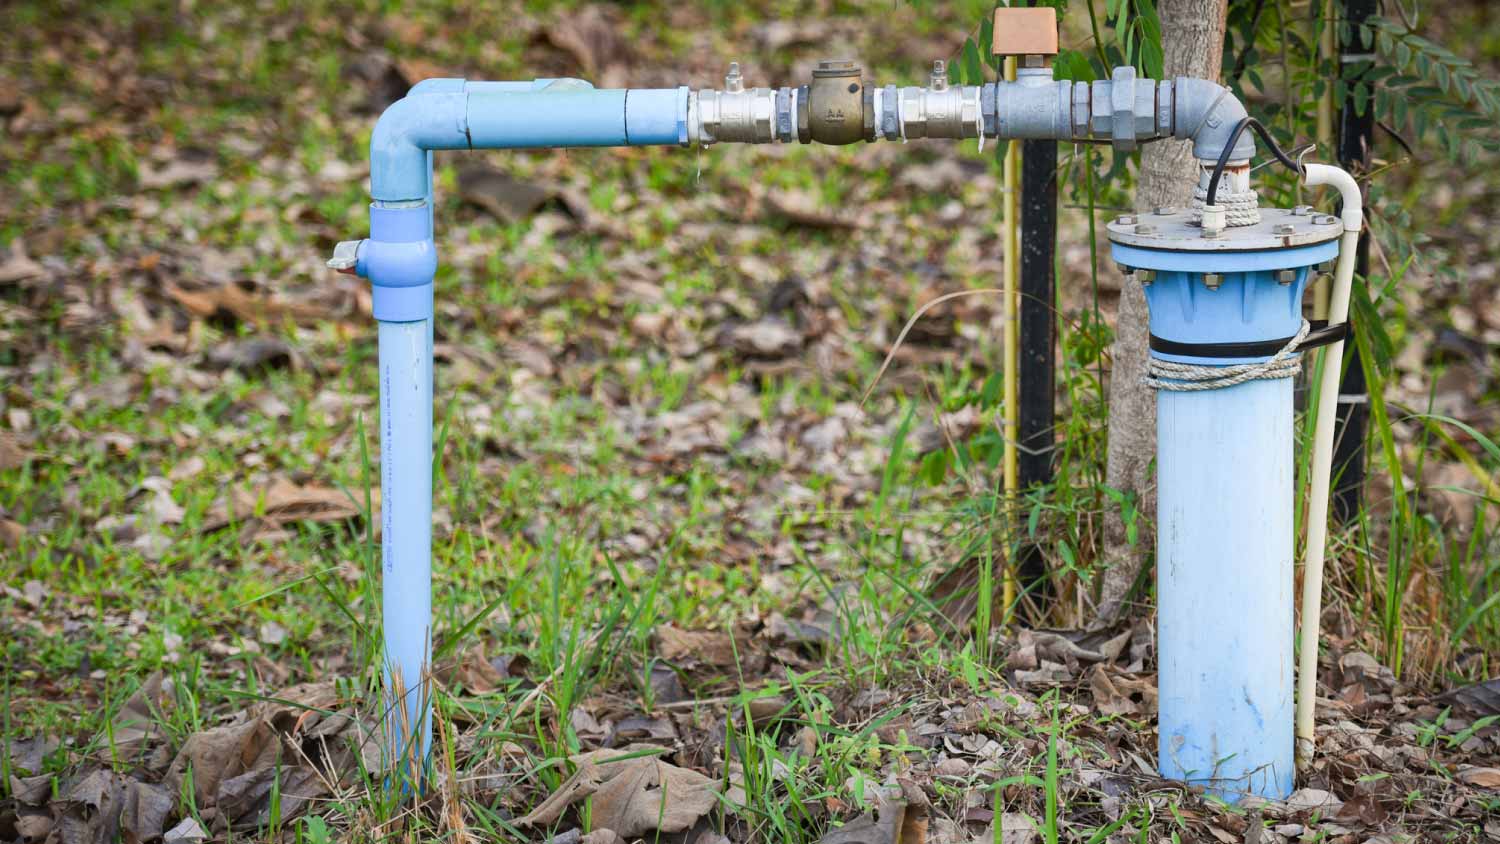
column 1356, row 132
column 1038, row 323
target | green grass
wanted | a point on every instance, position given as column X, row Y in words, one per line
column 565, row 540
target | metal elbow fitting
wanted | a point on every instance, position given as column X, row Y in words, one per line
column 1206, row 113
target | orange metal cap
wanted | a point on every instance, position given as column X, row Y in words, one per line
column 1025, row 31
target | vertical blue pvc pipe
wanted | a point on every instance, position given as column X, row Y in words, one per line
column 406, row 513
column 1225, row 468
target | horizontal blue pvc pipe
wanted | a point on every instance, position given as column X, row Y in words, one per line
column 455, row 114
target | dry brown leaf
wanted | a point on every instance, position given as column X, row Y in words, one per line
column 284, row 502
column 472, row 671
column 295, row 743
column 706, row 646
column 592, row 36
column 104, row 807
column 219, row 755
column 137, row 722
column 803, row 209
column 231, row 300
column 1480, row 777
column 768, row 337
column 1121, row 694
column 892, row 822
column 12, row 455
column 11, row 533
column 634, row 793
column 17, row 266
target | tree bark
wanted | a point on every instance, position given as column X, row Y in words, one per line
column 1193, row 44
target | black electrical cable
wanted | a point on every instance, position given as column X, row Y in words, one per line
column 1239, row 129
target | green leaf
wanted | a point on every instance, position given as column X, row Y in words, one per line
column 973, row 66
column 1073, row 66
column 1403, row 54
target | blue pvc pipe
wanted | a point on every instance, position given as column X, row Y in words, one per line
column 400, row 259
column 456, row 114
column 406, row 528
column 1225, row 467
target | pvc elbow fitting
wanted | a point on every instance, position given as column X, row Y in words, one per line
column 1348, row 188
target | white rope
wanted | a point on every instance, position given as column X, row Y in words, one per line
column 1193, row 377
column 1240, row 202
column 1241, row 208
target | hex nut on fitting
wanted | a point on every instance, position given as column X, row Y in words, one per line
column 1213, row 281
column 1125, row 220
column 1122, row 106
column 1213, row 220
column 1285, row 277
column 1285, row 228
column 1147, row 276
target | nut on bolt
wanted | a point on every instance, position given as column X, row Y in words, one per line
column 1285, row 277
column 1147, row 276
column 939, row 79
column 1213, row 281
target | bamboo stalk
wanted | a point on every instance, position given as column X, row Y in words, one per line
column 1327, row 51
column 1011, row 338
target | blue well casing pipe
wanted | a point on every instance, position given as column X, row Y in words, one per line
column 1225, row 539
column 400, row 260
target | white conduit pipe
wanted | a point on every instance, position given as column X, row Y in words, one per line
column 1322, row 464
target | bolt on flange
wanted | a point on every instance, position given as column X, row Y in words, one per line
column 1213, row 281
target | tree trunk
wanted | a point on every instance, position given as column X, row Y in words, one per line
column 1193, row 42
